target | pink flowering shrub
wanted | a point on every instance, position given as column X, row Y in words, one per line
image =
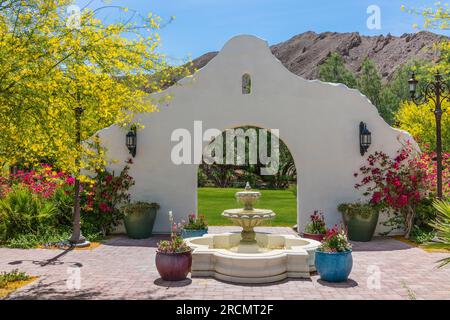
column 42, row 181
column 427, row 162
column 176, row 244
column 398, row 184
column 194, row 222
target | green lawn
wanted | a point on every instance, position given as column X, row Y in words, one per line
column 212, row 201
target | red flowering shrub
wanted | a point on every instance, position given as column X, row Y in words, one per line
column 102, row 199
column 335, row 240
column 316, row 224
column 398, row 184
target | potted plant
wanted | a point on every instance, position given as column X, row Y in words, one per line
column 316, row 228
column 139, row 219
column 333, row 259
column 360, row 220
column 173, row 257
column 194, row 227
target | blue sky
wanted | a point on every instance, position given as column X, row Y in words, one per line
column 205, row 25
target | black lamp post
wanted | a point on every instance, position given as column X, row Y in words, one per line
column 365, row 138
column 131, row 141
column 436, row 91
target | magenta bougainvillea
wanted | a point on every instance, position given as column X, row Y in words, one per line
column 102, row 198
column 398, row 183
column 427, row 162
column 42, row 181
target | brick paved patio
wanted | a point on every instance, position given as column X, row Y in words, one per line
column 125, row 269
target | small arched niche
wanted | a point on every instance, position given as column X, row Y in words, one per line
column 246, row 84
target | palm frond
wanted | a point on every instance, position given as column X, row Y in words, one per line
column 442, row 226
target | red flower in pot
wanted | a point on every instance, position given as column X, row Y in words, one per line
column 316, row 228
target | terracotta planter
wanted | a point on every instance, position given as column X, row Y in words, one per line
column 313, row 236
column 173, row 266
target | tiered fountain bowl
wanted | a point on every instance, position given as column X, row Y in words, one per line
column 249, row 256
column 248, row 218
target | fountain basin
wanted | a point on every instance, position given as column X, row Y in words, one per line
column 272, row 258
column 248, row 219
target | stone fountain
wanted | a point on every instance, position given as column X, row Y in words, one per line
column 249, row 256
column 248, row 218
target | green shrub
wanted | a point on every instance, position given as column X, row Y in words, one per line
column 363, row 210
column 32, row 240
column 138, row 207
column 425, row 213
column 421, row 235
column 22, row 212
column 63, row 201
column 13, row 276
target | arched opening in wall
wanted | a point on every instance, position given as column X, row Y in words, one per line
column 240, row 155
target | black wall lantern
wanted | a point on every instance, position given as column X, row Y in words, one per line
column 365, row 138
column 131, row 141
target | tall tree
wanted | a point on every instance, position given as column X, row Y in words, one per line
column 396, row 91
column 49, row 68
column 62, row 79
column 369, row 82
column 334, row 70
column 420, row 122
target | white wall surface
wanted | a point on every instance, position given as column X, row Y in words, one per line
column 319, row 122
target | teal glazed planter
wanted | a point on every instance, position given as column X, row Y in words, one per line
column 334, row 266
column 186, row 233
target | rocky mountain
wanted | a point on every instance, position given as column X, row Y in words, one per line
column 304, row 53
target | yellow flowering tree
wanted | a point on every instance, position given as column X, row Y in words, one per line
column 48, row 69
column 421, row 123
column 53, row 67
column 437, row 17
column 420, row 120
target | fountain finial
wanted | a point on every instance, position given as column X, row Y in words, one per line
column 247, row 186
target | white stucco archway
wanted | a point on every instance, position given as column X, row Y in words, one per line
column 319, row 122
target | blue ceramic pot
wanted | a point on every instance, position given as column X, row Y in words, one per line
column 334, row 266
column 193, row 233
